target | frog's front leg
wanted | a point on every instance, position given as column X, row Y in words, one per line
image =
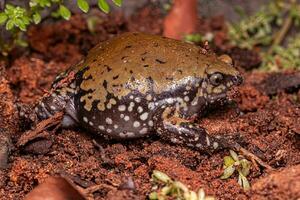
column 178, row 130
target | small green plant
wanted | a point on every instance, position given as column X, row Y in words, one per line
column 284, row 57
column 267, row 29
column 17, row 19
column 198, row 38
column 256, row 29
column 237, row 163
column 173, row 189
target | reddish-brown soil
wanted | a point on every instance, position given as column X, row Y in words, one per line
column 268, row 126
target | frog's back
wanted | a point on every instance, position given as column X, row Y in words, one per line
column 121, row 80
column 131, row 61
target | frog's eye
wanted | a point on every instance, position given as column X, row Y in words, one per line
column 216, row 79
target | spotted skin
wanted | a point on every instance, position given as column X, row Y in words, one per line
column 138, row 84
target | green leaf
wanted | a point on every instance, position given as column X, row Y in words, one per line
column 41, row 3
column 55, row 14
column 166, row 190
column 26, row 20
column 83, row 5
column 32, row 3
column 245, row 182
column 245, row 167
column 181, row 186
column 103, row 5
column 153, row 196
column 228, row 160
column 158, row 175
column 9, row 24
column 118, row 2
column 201, row 194
column 21, row 43
column 36, row 18
column 19, row 23
column 64, row 12
column 234, row 155
column 228, row 172
column 196, row 38
column 3, row 18
column 9, row 7
column 240, row 180
column 192, row 195
column 9, row 10
column 91, row 23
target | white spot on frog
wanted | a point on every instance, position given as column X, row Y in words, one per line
column 150, row 123
column 137, row 99
column 108, row 120
column 121, row 108
column 186, row 98
column 144, row 116
column 130, row 134
column 148, row 97
column 151, row 106
column 126, row 118
column 140, row 109
column 85, row 119
column 130, row 107
column 136, row 124
column 143, row 131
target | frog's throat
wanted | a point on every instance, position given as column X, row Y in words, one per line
column 54, row 103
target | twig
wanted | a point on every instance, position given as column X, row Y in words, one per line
column 39, row 130
column 279, row 36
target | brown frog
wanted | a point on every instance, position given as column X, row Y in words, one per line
column 137, row 84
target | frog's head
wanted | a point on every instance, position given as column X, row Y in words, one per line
column 60, row 98
column 220, row 77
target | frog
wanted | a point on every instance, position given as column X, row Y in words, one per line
column 136, row 84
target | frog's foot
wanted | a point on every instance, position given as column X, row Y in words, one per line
column 254, row 159
column 179, row 130
column 26, row 114
column 39, row 131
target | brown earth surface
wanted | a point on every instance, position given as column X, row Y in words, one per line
column 269, row 126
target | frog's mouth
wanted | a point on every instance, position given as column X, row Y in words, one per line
column 223, row 98
column 223, row 93
column 219, row 99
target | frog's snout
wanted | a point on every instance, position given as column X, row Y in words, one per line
column 237, row 80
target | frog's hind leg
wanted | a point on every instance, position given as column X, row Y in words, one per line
column 181, row 131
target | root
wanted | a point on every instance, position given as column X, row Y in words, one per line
column 255, row 160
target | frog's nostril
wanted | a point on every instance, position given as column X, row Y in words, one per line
column 237, row 80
